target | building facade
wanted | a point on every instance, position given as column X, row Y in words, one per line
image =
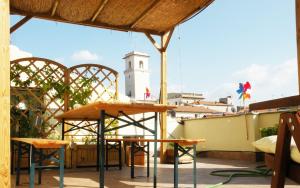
column 184, row 98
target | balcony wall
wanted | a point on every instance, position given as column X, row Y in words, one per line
column 231, row 133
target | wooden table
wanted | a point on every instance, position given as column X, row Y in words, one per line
column 40, row 144
column 98, row 111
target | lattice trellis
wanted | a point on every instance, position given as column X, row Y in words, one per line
column 104, row 81
column 43, row 88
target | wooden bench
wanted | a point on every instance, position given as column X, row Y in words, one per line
column 37, row 157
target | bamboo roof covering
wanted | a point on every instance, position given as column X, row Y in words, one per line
column 92, row 111
column 42, row 143
column 148, row 16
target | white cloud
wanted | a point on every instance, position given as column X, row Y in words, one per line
column 268, row 82
column 16, row 53
column 84, row 55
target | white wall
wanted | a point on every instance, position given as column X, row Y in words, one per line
column 136, row 77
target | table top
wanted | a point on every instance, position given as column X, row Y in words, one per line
column 92, row 111
column 182, row 142
column 42, row 143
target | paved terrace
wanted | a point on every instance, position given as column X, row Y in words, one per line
column 88, row 177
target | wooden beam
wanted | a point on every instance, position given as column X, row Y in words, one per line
column 168, row 35
column 276, row 103
column 20, row 23
column 155, row 44
column 144, row 13
column 4, row 95
column 163, row 96
column 162, row 48
column 54, row 8
column 85, row 23
column 297, row 7
column 103, row 3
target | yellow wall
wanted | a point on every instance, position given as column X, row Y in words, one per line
column 268, row 119
column 234, row 133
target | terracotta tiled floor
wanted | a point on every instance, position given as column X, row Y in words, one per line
column 88, row 177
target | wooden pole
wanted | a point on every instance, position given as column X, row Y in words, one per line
column 163, row 92
column 163, row 100
column 297, row 7
column 4, row 95
column 165, row 39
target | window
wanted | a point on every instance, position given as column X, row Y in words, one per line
column 129, row 65
column 141, row 65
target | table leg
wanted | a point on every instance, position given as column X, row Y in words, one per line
column 63, row 129
column 32, row 166
column 148, row 159
column 61, row 166
column 102, row 155
column 175, row 165
column 12, row 159
column 19, row 164
column 195, row 166
column 120, row 155
column 98, row 146
column 132, row 159
column 106, row 155
column 40, row 165
column 28, row 159
column 155, row 151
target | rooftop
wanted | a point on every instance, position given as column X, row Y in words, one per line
column 136, row 53
column 185, row 95
column 195, row 109
column 211, row 103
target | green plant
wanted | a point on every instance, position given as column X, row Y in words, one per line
column 57, row 88
column 112, row 124
column 89, row 140
column 22, row 124
column 35, row 87
column 269, row 131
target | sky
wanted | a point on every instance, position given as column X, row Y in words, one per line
column 231, row 41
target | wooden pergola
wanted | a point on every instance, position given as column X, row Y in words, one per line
column 152, row 17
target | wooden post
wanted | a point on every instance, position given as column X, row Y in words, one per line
column 163, row 100
column 297, row 7
column 162, row 48
column 4, row 95
column 165, row 39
